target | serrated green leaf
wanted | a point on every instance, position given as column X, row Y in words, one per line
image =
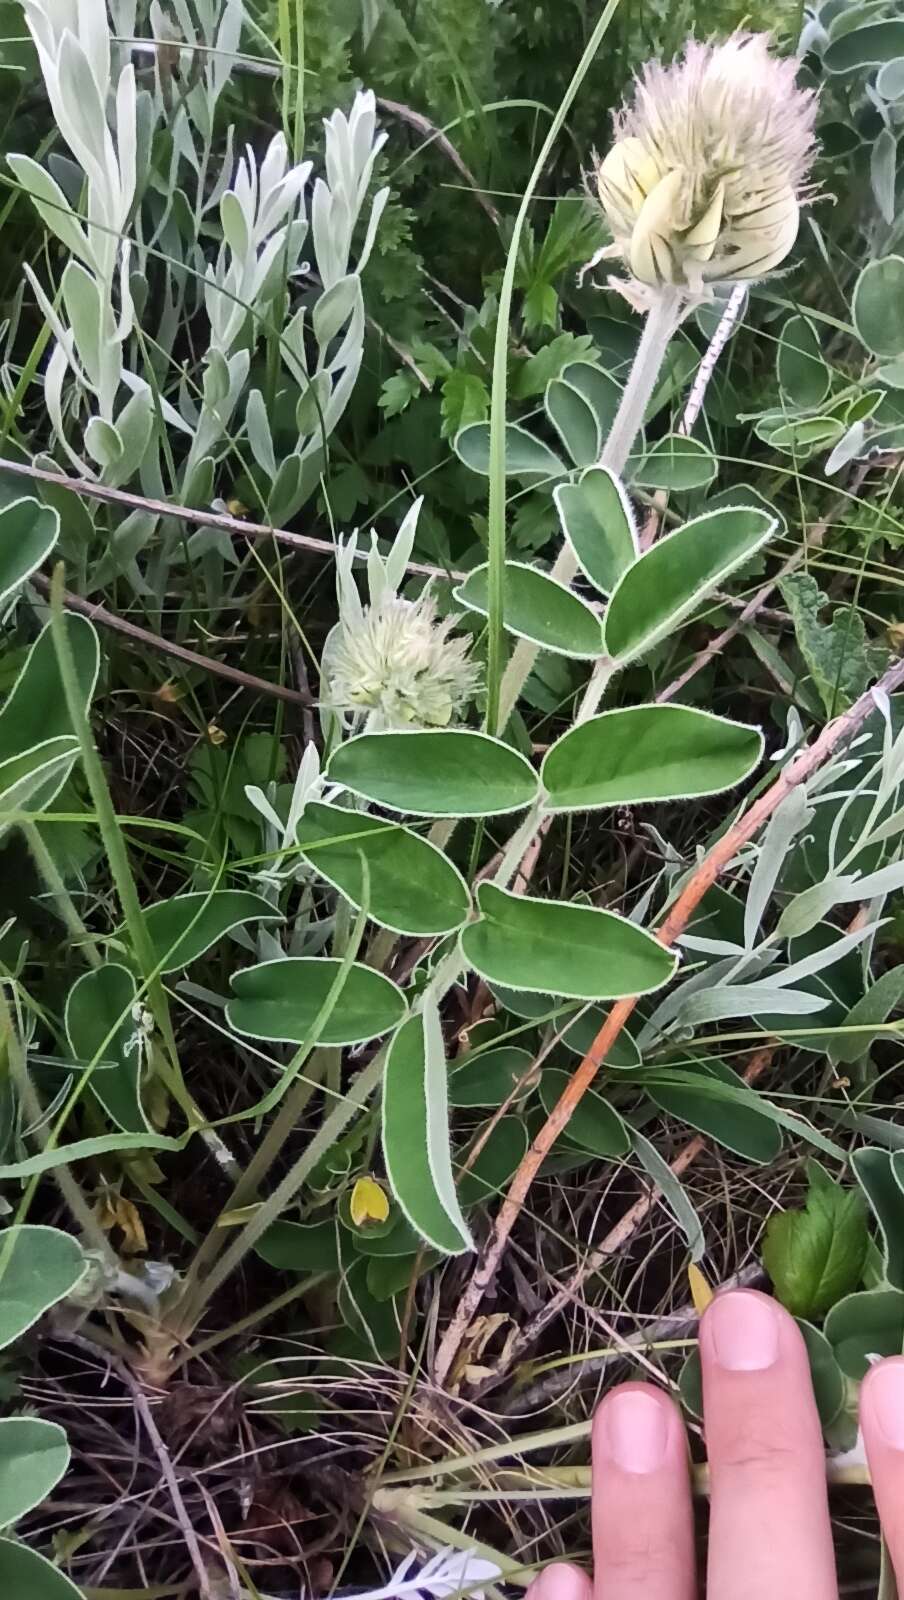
column 815, row 1256
column 466, row 399
column 838, row 655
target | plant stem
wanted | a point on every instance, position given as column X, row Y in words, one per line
column 56, row 888
column 662, row 320
column 497, row 698
column 259, row 1314
column 246, row 1184
column 66, row 1183
column 330, row 1130
column 110, row 831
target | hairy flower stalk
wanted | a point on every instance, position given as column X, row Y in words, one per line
column 703, row 184
column 710, row 165
column 396, row 661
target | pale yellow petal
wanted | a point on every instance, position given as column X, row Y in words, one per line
column 700, row 240
column 652, row 257
column 368, row 1203
column 759, row 241
column 624, row 179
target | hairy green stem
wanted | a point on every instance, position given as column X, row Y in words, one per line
column 662, row 320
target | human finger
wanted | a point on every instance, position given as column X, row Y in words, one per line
column 643, row 1535
column 769, row 1517
column 882, row 1421
column 561, row 1581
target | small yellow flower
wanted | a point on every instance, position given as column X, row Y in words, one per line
column 709, row 167
column 368, row 1204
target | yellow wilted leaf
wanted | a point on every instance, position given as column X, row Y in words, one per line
column 368, row 1203
column 113, row 1210
column 701, row 1293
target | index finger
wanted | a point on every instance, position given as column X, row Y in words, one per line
column 770, row 1533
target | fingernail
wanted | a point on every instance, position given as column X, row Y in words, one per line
column 561, row 1581
column 885, row 1389
column 637, row 1427
column 744, row 1331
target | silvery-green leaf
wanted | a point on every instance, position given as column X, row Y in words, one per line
column 673, row 1192
column 51, row 205
column 260, row 438
column 791, row 817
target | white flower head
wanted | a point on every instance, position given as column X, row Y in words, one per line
column 395, row 660
column 709, row 168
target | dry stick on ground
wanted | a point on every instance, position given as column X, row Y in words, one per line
column 697, row 396
column 625, row 1229
column 152, row 641
column 234, row 526
column 670, row 929
column 164, row 1459
column 434, row 135
column 567, row 1374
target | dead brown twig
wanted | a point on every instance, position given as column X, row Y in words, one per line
column 549, row 1384
column 626, row 1228
column 713, row 864
column 236, row 527
column 179, row 652
column 434, row 135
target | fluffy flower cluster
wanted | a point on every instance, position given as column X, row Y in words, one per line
column 709, row 169
column 397, row 661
